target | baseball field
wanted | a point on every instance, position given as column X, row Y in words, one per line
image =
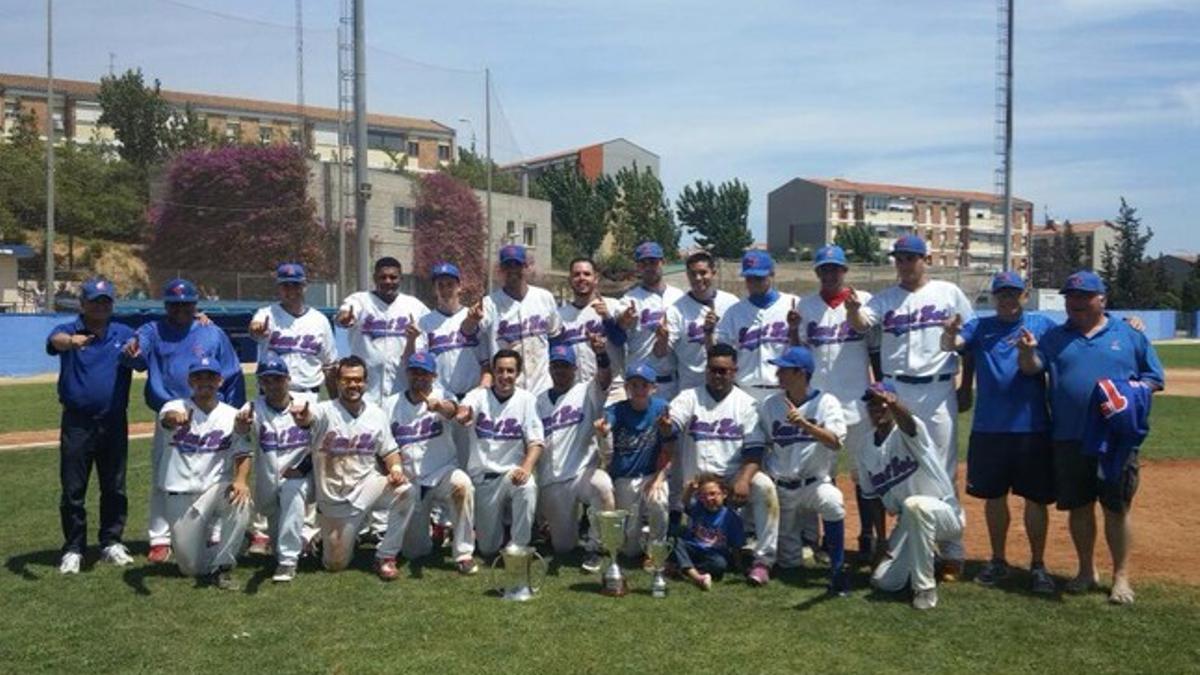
column 145, row 618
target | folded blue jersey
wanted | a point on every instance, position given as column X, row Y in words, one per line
column 1118, row 420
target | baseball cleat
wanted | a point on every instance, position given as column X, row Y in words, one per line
column 223, row 578
column 758, row 575
column 949, row 571
column 116, row 554
column 925, row 599
column 1081, row 584
column 992, row 573
column 386, row 568
column 467, row 567
column 592, row 562
column 70, row 563
column 159, row 553
column 1042, row 583
column 260, row 544
column 284, row 574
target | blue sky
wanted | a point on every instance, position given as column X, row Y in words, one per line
column 1107, row 91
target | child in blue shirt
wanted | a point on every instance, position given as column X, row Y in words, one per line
column 714, row 535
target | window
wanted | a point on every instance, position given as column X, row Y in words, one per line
column 443, row 153
column 402, row 218
column 530, row 234
column 414, row 149
column 233, row 131
column 510, row 231
column 264, row 134
column 294, row 136
column 876, row 203
column 379, row 140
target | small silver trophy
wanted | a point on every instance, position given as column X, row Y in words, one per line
column 515, row 578
column 658, row 552
column 611, row 527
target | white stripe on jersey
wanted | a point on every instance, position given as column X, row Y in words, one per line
column 840, row 353
column 758, row 335
column 639, row 340
column 378, row 338
column 792, row 452
column 305, row 343
column 576, row 325
column 500, row 431
column 426, row 447
column 195, row 457
column 911, row 327
column 567, row 424
column 685, row 321
column 277, row 443
column 347, row 450
column 712, row 433
column 904, row 466
column 524, row 325
column 458, row 356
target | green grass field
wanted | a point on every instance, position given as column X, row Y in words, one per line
column 1179, row 355
column 146, row 619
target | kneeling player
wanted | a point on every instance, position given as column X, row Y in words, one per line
column 352, row 439
column 203, row 477
column 714, row 537
column 902, row 469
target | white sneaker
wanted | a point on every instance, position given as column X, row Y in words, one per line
column 70, row 563
column 925, row 599
column 116, row 554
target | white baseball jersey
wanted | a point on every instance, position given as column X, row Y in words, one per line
column 577, row 323
column 501, row 430
column 378, row 337
column 840, row 353
column 685, row 321
column 712, row 433
column 758, row 335
column 793, row 453
column 458, row 356
column 639, row 340
column 567, row 424
column 911, row 327
column 194, row 457
column 423, row 437
column 277, row 443
column 526, row 326
column 305, row 343
column 346, row 451
column 903, row 466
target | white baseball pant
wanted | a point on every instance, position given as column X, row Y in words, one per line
column 285, row 507
column 820, row 498
column 559, row 502
column 455, row 494
column 630, row 495
column 193, row 518
column 158, row 528
column 924, row 525
column 763, row 514
column 341, row 522
column 495, row 496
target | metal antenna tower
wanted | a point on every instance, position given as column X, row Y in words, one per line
column 1004, row 119
column 345, row 88
column 303, row 135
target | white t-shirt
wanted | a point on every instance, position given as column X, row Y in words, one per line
column 305, row 343
column 712, row 433
column 501, row 430
column 576, row 325
column 639, row 340
column 423, row 437
column 904, row 466
column 277, row 443
column 567, row 425
column 793, row 453
column 526, row 326
column 346, row 451
column 458, row 356
column 195, row 457
column 758, row 335
column 685, row 323
column 911, row 327
column 378, row 337
column 840, row 353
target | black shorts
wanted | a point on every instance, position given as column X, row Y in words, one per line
column 1021, row 462
column 1077, row 481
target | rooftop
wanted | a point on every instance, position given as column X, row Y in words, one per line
column 1082, row 227
column 560, row 154
column 844, row 185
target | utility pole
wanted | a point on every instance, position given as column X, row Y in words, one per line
column 362, row 191
column 49, row 305
column 488, row 262
column 303, row 136
column 1004, row 120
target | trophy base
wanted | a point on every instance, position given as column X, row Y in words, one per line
column 520, row 594
column 614, row 590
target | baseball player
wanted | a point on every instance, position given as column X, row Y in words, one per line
column 202, row 476
column 904, row 468
column 282, row 464
column 644, row 316
column 351, row 440
column 522, row 318
column 420, row 423
column 911, row 315
column 568, row 474
column 505, row 447
column 842, row 357
column 760, row 326
column 800, row 428
column 451, row 335
column 1010, row 445
column 692, row 319
column 717, row 423
column 633, row 440
column 165, row 348
column 382, row 324
column 587, row 313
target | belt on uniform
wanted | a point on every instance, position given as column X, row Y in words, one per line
column 797, row 483
column 664, row 378
column 311, row 390
column 909, row 379
column 491, row 475
column 765, row 386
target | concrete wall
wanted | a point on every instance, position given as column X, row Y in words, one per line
column 797, row 215
column 620, row 153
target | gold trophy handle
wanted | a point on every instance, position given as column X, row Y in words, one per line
column 495, row 576
column 537, row 571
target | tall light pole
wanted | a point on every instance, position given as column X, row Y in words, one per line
column 487, row 133
column 362, row 188
column 471, row 126
column 49, row 305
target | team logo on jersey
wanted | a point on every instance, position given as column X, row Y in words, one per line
column 294, row 344
column 502, row 429
column 422, row 429
column 723, row 429
column 515, row 331
column 929, row 316
column 359, row 444
column 650, row 318
column 289, row 439
column 579, row 333
column 188, row 443
column 1114, row 401
column 893, row 473
column 785, row 434
column 773, row 333
column 376, row 327
column 566, row 416
column 447, row 342
column 695, row 332
column 1115, row 345
column 828, row 335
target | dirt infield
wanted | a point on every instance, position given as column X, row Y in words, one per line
column 1183, row 382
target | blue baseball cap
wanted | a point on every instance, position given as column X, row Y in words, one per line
column 96, row 288
column 1007, row 279
column 910, row 243
column 204, row 364
column 444, row 269
column 180, row 290
column 643, row 370
column 272, row 365
column 878, row 387
column 831, row 254
column 795, row 357
column 562, row 354
column 648, row 250
column 757, row 264
column 290, row 273
column 1083, row 281
column 512, row 253
column 423, row 361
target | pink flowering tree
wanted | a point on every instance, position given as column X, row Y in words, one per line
column 449, row 227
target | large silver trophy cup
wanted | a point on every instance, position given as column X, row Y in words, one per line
column 520, row 572
column 611, row 527
column 658, row 552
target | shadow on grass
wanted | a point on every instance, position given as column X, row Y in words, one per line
column 19, row 564
column 1018, row 582
column 135, row 577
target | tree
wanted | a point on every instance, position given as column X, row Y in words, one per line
column 579, row 210
column 1058, row 258
column 860, row 243
column 717, row 216
column 187, row 130
column 449, row 227
column 472, row 170
column 641, row 213
column 1126, row 273
column 1189, row 297
column 138, row 115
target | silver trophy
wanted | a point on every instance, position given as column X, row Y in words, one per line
column 522, row 566
column 611, row 528
column 658, row 552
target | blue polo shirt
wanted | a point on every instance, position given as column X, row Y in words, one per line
column 1076, row 362
column 167, row 351
column 636, row 442
column 719, row 530
column 93, row 380
column 1009, row 402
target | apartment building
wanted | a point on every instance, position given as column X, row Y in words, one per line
column 962, row 228
column 1092, row 234
column 593, row 161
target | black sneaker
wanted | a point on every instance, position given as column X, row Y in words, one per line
column 223, row 579
column 992, row 573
